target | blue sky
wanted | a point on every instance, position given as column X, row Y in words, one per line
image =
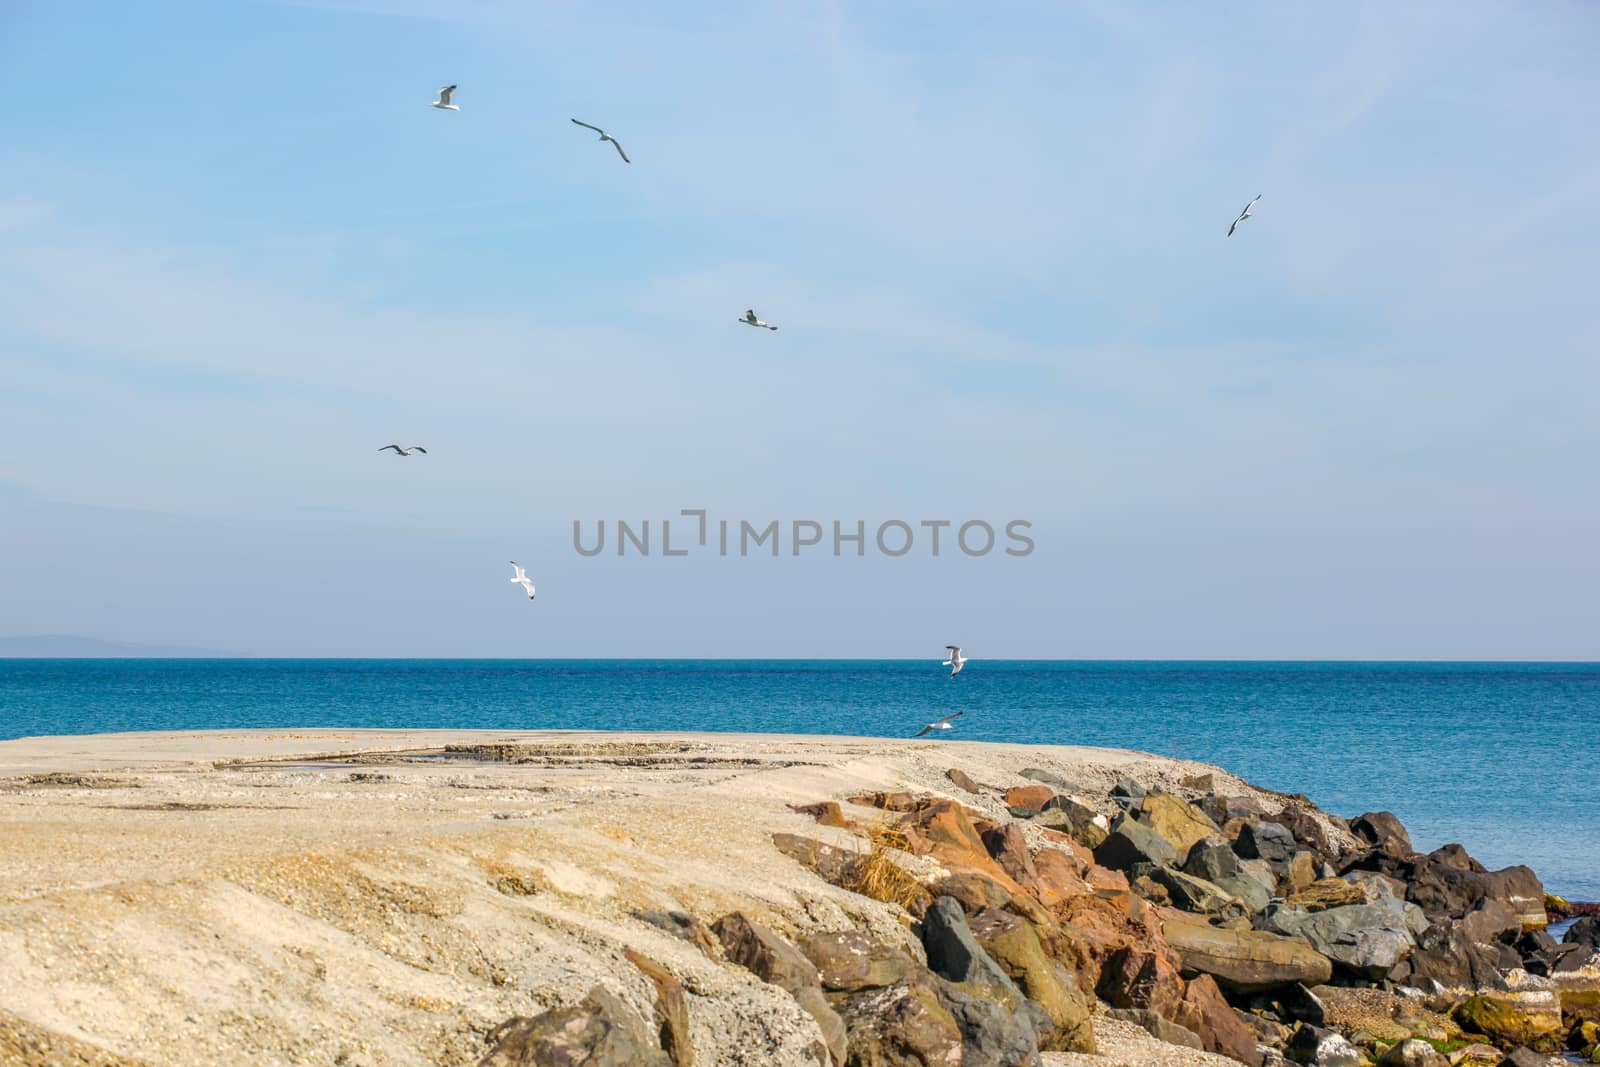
column 242, row 252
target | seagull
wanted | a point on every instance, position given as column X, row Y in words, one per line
column 400, row 451
column 751, row 320
column 956, row 660
column 522, row 579
column 443, row 103
column 604, row 136
column 1245, row 214
column 939, row 724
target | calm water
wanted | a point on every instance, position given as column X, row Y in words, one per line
column 1501, row 757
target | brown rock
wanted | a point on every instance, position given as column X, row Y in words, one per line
column 1180, row 824
column 672, row 1011
column 1245, row 961
column 1204, row 1011
column 685, row 926
column 961, row 779
column 763, row 953
column 1328, row 893
column 1133, row 978
column 1016, row 946
column 1580, row 1005
column 1507, row 1023
column 900, row 801
column 1009, row 849
column 850, row 961
column 903, row 1025
column 599, row 1031
column 1302, row 871
column 826, row 812
column 1029, row 797
column 1058, row 876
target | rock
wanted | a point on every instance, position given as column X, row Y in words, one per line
column 1128, row 789
column 1195, row 894
column 763, row 953
column 1158, row 1027
column 1413, row 1053
column 1444, row 954
column 850, row 961
column 672, row 1010
column 1057, row 876
column 1376, row 884
column 1316, row 1047
column 1293, row 1003
column 991, row 1035
column 1586, row 931
column 1038, row 774
column 1477, row 1055
column 1009, row 849
column 1311, row 826
column 903, row 1025
column 1014, row 944
column 1302, row 871
column 1506, row 1022
column 772, row 959
column 1259, row 839
column 1131, row 842
column 1327, row 893
column 1085, row 825
column 1448, row 882
column 1383, row 831
column 954, row 952
column 826, row 812
column 1366, row 940
column 600, row 1031
column 1180, row 824
column 1205, row 1012
column 1224, row 809
column 1523, row 1057
column 1581, row 1004
column 962, row 780
column 1245, row 961
column 1490, row 922
column 1583, row 1036
column 1134, row 978
column 897, row 801
column 1214, row 860
column 1029, row 797
column 1563, row 959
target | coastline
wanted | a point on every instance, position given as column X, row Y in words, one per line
column 391, row 896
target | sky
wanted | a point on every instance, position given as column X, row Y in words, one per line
column 241, row 252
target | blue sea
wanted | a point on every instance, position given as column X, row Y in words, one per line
column 1500, row 757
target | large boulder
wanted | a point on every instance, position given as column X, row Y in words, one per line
column 903, row 1025
column 1072, row 816
column 850, row 961
column 991, row 1034
column 1179, row 822
column 1214, row 860
column 772, row 959
column 672, row 1009
column 600, row 1031
column 1029, row 797
column 1383, row 831
column 1197, row 895
column 1508, row 1023
column 1130, row 842
column 1245, row 961
column 1365, row 940
column 1447, row 883
column 1014, row 944
column 1413, row 1053
column 954, row 952
column 1586, row 931
column 1204, row 1011
column 1009, row 848
column 1134, row 978
column 1270, row 841
column 1446, row 955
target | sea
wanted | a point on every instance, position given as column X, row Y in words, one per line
column 1501, row 757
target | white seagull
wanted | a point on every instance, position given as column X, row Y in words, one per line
column 443, row 103
column 1245, row 214
column 751, row 320
column 604, row 136
column 522, row 579
column 402, row 451
column 939, row 724
column 956, row 660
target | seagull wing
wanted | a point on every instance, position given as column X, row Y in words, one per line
column 925, row 730
column 586, row 126
column 620, row 152
column 444, row 93
column 1233, row 227
column 952, row 715
column 522, row 575
column 419, row 448
column 954, row 648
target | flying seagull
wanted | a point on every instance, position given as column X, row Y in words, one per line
column 1245, row 214
column 443, row 103
column 522, row 579
column 751, row 320
column 939, row 724
column 401, row 451
column 604, row 136
column 956, row 660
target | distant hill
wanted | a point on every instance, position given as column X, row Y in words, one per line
column 66, row 646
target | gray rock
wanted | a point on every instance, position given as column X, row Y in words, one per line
column 1366, row 940
column 991, row 1036
column 1158, row 1027
column 1050, row 778
column 1381, row 830
column 1259, row 839
column 1216, row 862
column 1586, row 931
column 1131, row 842
column 904, row 1023
column 1525, row 1057
column 1447, row 956
column 600, row 1031
column 1191, row 893
column 1491, row 922
column 1130, row 789
column 955, row 954
column 1316, row 1047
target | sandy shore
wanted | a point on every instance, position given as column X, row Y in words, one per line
column 370, row 897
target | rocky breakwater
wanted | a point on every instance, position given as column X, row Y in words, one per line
column 1251, row 925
